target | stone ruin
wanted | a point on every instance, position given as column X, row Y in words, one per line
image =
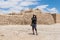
column 24, row 18
column 45, row 18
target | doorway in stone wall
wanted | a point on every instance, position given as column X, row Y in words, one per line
column 54, row 16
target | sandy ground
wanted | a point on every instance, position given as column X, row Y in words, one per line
column 24, row 32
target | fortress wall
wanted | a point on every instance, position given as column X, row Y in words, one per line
column 54, row 16
column 45, row 19
column 25, row 19
column 41, row 18
column 57, row 18
column 11, row 19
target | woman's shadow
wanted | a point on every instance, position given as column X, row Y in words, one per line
column 30, row 33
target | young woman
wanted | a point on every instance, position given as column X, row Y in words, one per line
column 33, row 24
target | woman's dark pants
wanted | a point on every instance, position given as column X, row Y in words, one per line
column 34, row 28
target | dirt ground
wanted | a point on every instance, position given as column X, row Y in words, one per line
column 24, row 32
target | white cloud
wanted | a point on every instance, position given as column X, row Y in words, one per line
column 15, row 5
column 27, row 3
column 30, row 0
column 8, row 3
column 44, row 8
column 53, row 10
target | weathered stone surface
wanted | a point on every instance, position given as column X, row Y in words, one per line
column 25, row 18
column 57, row 18
column 41, row 19
column 45, row 19
column 11, row 19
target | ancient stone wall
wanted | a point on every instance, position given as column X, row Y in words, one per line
column 54, row 16
column 11, row 19
column 25, row 19
column 45, row 19
column 57, row 18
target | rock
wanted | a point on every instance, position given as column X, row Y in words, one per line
column 25, row 18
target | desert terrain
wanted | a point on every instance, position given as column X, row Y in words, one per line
column 24, row 32
column 17, row 26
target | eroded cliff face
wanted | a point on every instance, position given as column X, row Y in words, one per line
column 42, row 18
column 45, row 19
column 24, row 18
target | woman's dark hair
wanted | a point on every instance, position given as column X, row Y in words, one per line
column 34, row 16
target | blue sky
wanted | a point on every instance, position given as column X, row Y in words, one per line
column 9, row 6
column 51, row 3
